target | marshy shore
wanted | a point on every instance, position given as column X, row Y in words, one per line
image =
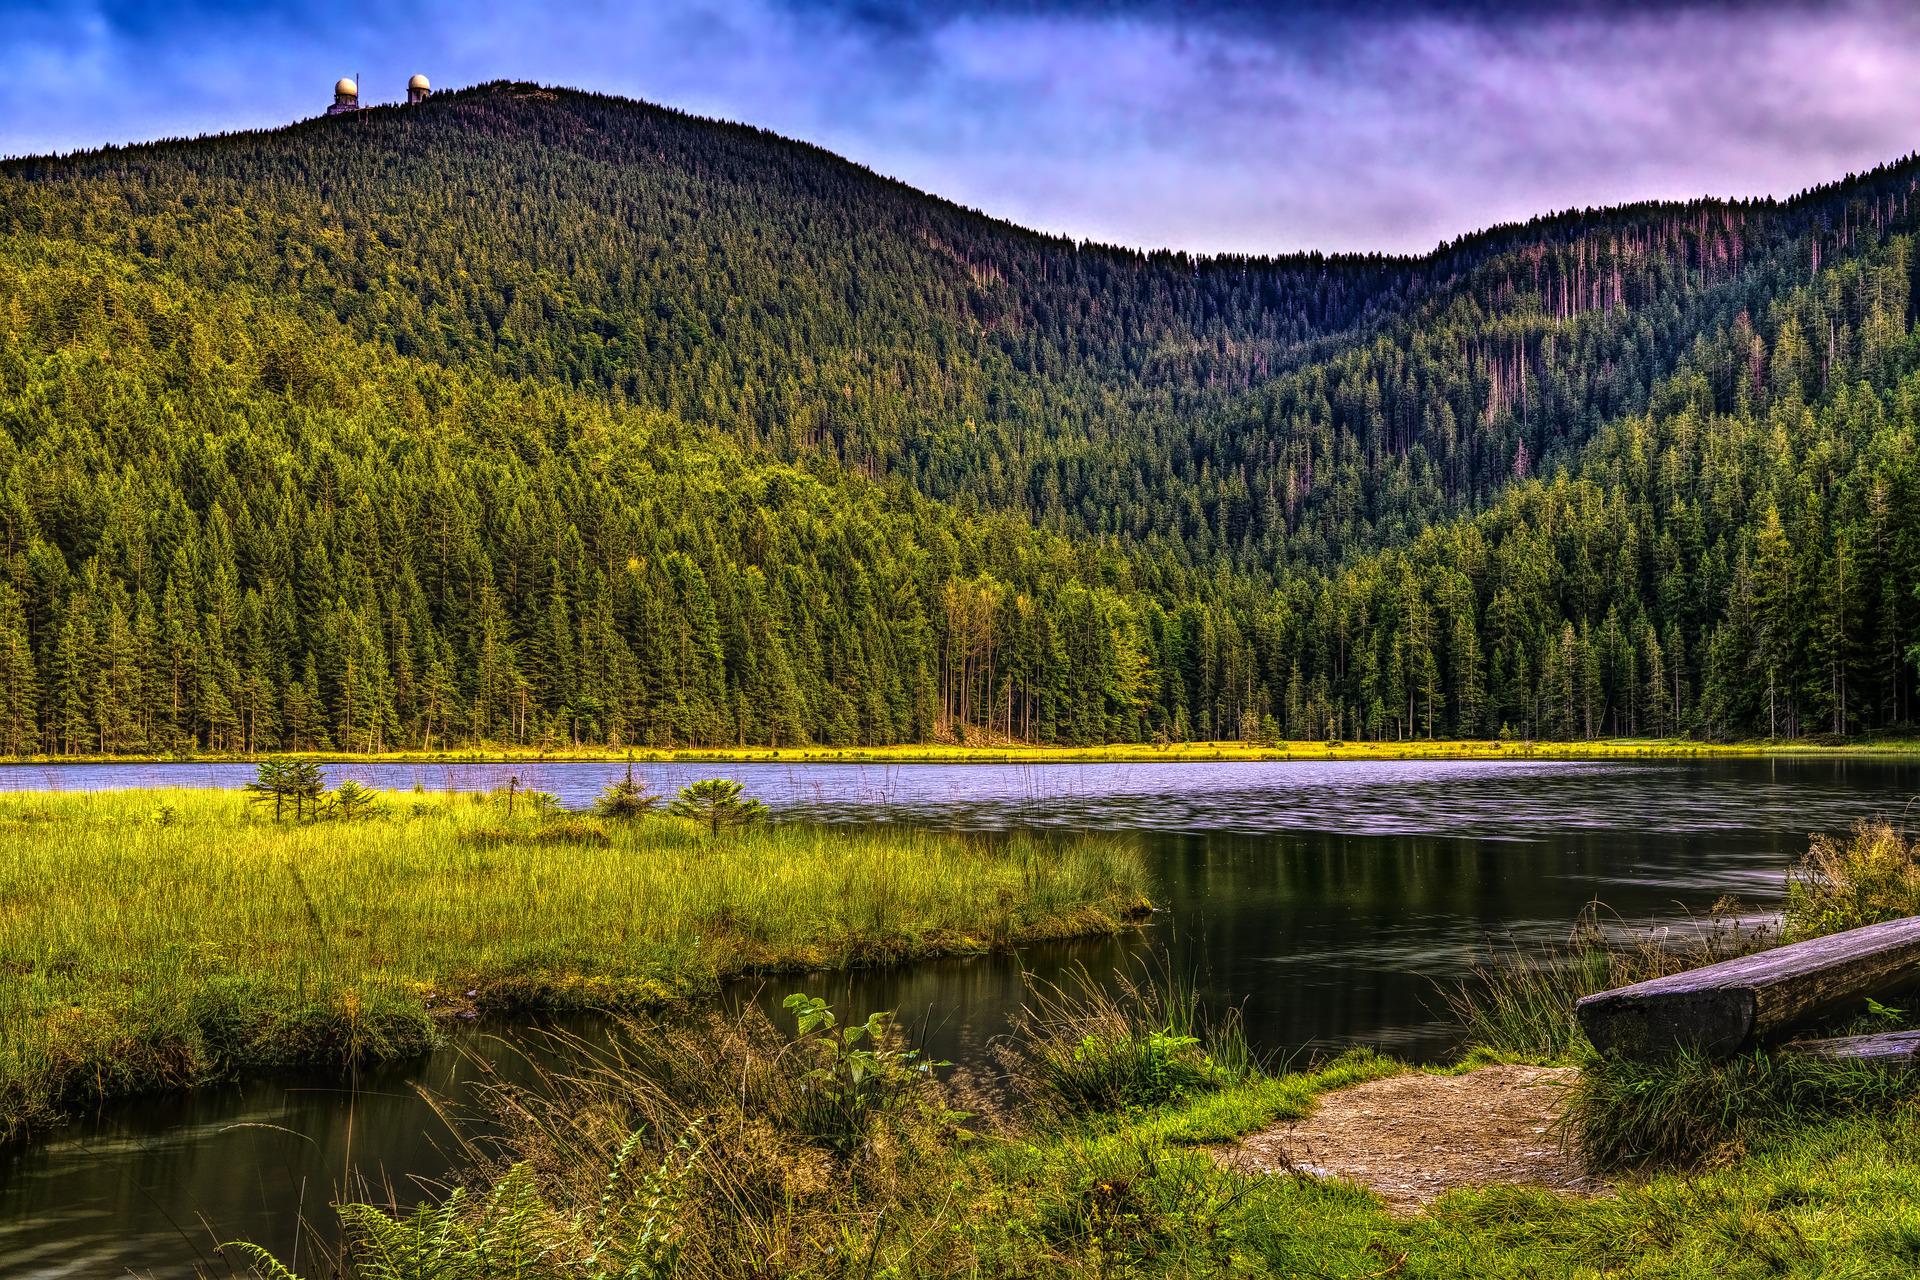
column 1120, row 1143
column 153, row 940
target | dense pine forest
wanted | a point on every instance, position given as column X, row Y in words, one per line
column 529, row 416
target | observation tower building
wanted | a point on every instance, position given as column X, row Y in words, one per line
column 346, row 97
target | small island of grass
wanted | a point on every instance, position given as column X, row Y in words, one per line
column 153, row 940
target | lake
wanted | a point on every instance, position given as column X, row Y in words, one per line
column 1328, row 901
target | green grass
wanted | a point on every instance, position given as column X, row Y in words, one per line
column 153, row 940
column 689, row 1154
column 1825, row 1200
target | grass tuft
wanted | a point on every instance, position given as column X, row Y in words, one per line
column 1680, row 1110
column 1135, row 1042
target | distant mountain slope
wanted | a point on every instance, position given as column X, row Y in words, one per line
column 224, row 527
column 532, row 415
column 1256, row 410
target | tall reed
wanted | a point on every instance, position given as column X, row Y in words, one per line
column 1518, row 1000
column 1867, row 876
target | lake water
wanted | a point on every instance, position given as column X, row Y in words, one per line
column 1326, row 900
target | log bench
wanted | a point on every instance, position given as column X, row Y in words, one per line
column 1897, row 1049
column 1724, row 1007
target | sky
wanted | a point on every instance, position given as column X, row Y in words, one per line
column 1206, row 125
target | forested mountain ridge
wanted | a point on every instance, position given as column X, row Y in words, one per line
column 1262, row 411
column 204, row 548
column 526, row 415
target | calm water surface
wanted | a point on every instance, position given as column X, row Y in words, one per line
column 1326, row 900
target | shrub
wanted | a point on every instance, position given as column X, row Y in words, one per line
column 1843, row 883
column 284, row 782
column 626, row 800
column 352, row 802
column 717, row 804
column 857, row 1070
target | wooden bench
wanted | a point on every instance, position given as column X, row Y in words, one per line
column 1724, row 1007
column 1897, row 1049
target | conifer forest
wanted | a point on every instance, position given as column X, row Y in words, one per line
column 536, row 417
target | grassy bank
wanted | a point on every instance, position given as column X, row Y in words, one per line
column 1109, row 753
column 715, row 1152
column 727, row 1150
column 154, row 939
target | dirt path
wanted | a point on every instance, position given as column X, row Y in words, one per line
column 1413, row 1137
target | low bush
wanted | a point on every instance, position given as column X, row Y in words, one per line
column 626, row 799
column 1870, row 875
column 717, row 804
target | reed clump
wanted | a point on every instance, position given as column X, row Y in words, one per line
column 1517, row 1001
column 1845, row 882
column 151, row 940
column 723, row 1146
column 1137, row 1041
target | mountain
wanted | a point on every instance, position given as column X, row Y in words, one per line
column 537, row 416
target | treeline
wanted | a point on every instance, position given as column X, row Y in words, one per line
column 204, row 551
column 1742, row 560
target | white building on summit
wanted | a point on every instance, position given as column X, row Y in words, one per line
column 346, row 93
column 346, row 97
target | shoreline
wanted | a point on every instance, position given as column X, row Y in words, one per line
column 1112, row 753
column 497, row 1007
column 273, row 947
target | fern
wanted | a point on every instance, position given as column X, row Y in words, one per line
column 265, row 1264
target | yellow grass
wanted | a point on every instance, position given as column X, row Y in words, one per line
column 1118, row 752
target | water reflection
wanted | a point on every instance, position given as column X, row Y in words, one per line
column 1327, row 900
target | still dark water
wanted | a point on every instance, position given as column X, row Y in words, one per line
column 1326, row 900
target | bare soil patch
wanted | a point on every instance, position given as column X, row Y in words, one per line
column 1411, row 1138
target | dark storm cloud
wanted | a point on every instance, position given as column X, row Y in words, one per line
column 1208, row 124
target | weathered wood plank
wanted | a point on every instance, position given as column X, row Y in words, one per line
column 1895, row 1049
column 1723, row 1007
